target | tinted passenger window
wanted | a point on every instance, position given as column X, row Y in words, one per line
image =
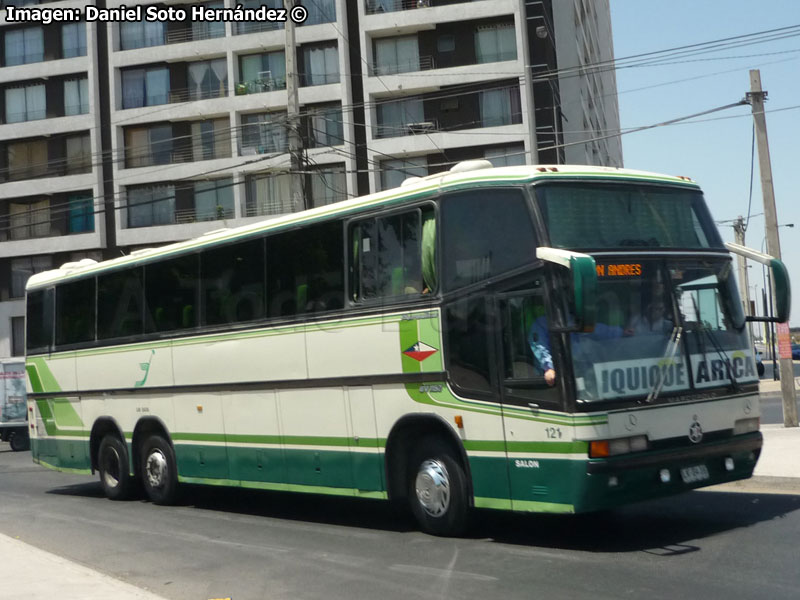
column 171, row 292
column 485, row 233
column 393, row 255
column 75, row 312
column 39, row 321
column 468, row 344
column 233, row 283
column 120, row 304
column 305, row 270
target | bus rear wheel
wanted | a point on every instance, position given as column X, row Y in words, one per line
column 438, row 489
column 112, row 464
column 159, row 470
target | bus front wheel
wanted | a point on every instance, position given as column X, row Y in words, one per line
column 438, row 489
column 159, row 470
column 112, row 463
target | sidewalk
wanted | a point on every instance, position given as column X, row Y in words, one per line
column 780, row 456
column 33, row 574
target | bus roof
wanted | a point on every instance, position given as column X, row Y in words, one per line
column 465, row 173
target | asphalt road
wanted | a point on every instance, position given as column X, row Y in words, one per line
column 240, row 544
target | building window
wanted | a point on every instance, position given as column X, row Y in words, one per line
column 145, row 87
column 262, row 72
column 395, row 117
column 268, row 194
column 24, row 46
column 76, row 96
column 446, row 43
column 320, row 64
column 17, row 336
column 151, row 205
column 211, row 139
column 147, row 146
column 328, row 185
column 141, row 34
column 500, row 107
column 507, row 156
column 396, row 55
column 208, row 79
column 23, row 268
column 81, row 213
column 213, row 199
column 320, row 11
column 205, row 30
column 257, row 26
column 324, row 125
column 26, row 103
column 29, row 220
column 73, row 40
column 27, row 159
column 394, row 172
column 79, row 154
column 264, row 133
column 494, row 43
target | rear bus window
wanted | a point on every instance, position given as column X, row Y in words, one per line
column 39, row 321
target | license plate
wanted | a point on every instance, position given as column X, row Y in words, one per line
column 694, row 474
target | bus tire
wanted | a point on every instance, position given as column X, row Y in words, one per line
column 112, row 464
column 159, row 470
column 437, row 490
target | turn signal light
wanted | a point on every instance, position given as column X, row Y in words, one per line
column 605, row 448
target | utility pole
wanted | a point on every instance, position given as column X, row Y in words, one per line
column 756, row 97
column 293, row 115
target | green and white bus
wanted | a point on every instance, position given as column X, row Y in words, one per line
column 397, row 346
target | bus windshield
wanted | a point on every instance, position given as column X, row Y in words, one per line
column 663, row 327
column 589, row 215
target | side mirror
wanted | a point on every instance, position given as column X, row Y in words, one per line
column 584, row 282
column 780, row 278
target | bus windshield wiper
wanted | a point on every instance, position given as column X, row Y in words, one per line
column 717, row 348
column 669, row 353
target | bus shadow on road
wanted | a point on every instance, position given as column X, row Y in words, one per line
column 665, row 527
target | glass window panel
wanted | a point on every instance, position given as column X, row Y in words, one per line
column 305, row 270
column 213, row 199
column 81, row 214
column 328, row 185
column 268, row 194
column 468, row 326
column 486, row 233
column 394, row 172
column 626, row 217
column 395, row 116
column 133, row 88
column 120, row 304
column 233, row 283
column 148, row 206
column 14, row 47
column 157, row 86
column 16, row 108
column 75, row 312
column 79, row 154
column 39, row 322
column 76, row 96
column 73, row 40
column 320, row 11
column 389, row 251
column 321, row 64
column 171, row 294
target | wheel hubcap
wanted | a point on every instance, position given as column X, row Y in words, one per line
column 111, row 468
column 156, row 468
column 433, row 487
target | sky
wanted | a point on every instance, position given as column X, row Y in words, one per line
column 716, row 151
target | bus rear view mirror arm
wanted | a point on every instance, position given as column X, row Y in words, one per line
column 780, row 278
column 584, row 282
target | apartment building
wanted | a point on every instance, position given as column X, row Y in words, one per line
column 118, row 136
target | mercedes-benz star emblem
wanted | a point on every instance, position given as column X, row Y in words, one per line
column 695, row 432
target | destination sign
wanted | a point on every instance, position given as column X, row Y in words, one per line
column 620, row 270
column 627, row 378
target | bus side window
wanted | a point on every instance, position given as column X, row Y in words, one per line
column 120, row 298
column 393, row 256
column 171, row 294
column 75, row 312
column 39, row 321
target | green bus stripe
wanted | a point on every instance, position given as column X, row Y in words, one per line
column 286, row 487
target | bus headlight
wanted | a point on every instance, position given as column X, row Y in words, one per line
column 605, row 448
column 746, row 425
